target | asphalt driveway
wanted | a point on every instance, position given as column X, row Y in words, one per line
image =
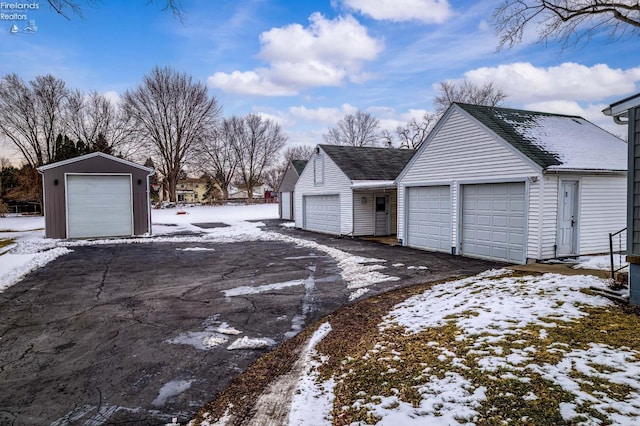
column 139, row 333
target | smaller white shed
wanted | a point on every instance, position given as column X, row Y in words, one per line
column 513, row 185
column 346, row 190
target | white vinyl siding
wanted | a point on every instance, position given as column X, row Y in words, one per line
column 364, row 214
column 335, row 182
column 462, row 151
column 99, row 206
column 548, row 217
column 429, row 217
column 603, row 210
column 286, row 200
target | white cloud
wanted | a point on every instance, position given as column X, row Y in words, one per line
column 427, row 11
column 323, row 115
column 524, row 82
column 113, row 97
column 248, row 83
column 326, row 53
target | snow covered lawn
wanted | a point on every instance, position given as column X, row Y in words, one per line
column 499, row 347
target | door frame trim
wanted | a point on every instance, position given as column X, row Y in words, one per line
column 576, row 213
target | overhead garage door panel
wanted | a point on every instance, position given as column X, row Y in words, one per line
column 322, row 213
column 429, row 217
column 493, row 221
column 99, row 206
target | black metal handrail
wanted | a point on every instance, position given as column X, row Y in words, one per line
column 620, row 251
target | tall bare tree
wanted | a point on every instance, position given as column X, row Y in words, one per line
column 257, row 146
column 173, row 114
column 566, row 21
column 415, row 132
column 297, row 152
column 91, row 115
column 32, row 115
column 467, row 92
column 218, row 155
column 359, row 129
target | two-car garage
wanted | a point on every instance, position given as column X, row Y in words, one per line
column 492, row 221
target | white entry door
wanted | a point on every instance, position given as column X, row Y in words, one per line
column 382, row 215
column 567, row 218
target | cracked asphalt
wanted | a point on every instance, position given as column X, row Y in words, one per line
column 127, row 334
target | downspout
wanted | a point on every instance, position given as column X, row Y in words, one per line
column 44, row 204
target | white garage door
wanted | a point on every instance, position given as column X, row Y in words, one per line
column 429, row 218
column 99, row 206
column 322, row 213
column 493, row 221
column 286, row 205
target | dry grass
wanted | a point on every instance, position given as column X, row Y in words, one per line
column 367, row 362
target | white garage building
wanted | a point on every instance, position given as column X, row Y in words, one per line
column 345, row 190
column 513, row 186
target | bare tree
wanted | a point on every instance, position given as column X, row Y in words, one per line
column 71, row 7
column 173, row 114
column 272, row 178
column 94, row 119
column 415, row 132
column 298, row 152
column 467, row 92
column 257, row 146
column 218, row 155
column 359, row 129
column 566, row 21
column 31, row 116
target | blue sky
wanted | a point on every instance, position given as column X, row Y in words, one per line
column 307, row 63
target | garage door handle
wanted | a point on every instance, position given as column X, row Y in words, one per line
column 573, row 222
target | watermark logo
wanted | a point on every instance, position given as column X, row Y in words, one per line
column 19, row 15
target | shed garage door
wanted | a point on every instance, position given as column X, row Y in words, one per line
column 99, row 206
column 286, row 205
column 493, row 221
column 429, row 218
column 322, row 213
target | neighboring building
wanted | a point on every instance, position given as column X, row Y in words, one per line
column 627, row 111
column 240, row 193
column 96, row 195
column 286, row 188
column 513, row 185
column 191, row 191
column 188, row 191
column 346, row 190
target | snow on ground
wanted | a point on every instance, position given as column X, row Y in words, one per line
column 358, row 272
column 476, row 306
column 251, row 343
column 602, row 263
column 312, row 402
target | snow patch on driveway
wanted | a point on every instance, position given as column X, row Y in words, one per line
column 171, row 389
column 251, row 343
column 245, row 290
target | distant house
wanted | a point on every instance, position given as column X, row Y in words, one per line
column 627, row 112
column 286, row 188
column 347, row 190
column 96, row 195
column 239, row 192
column 513, row 185
column 189, row 191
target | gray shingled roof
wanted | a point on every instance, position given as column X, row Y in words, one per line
column 299, row 165
column 554, row 141
column 505, row 123
column 364, row 163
